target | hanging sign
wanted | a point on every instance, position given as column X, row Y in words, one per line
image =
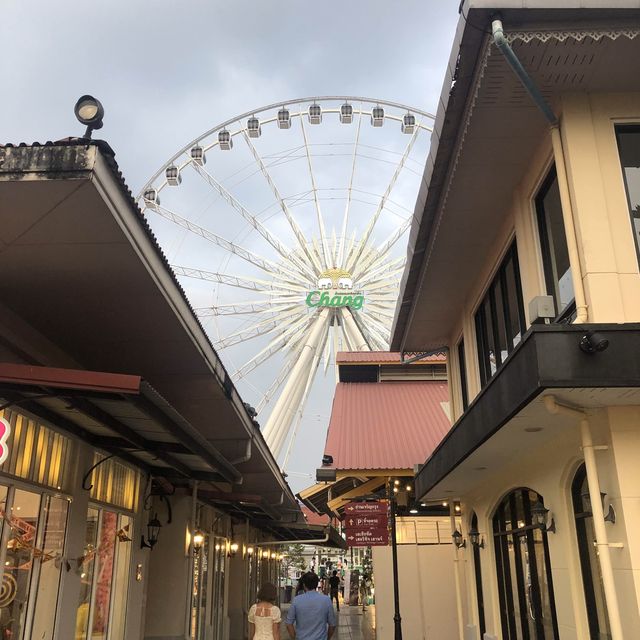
column 366, row 524
column 332, row 286
column 5, row 432
column 361, row 508
column 367, row 537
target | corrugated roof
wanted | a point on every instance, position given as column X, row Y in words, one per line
column 381, row 357
column 391, row 425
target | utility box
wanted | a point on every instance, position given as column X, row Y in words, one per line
column 542, row 310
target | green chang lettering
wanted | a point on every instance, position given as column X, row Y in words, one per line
column 318, row 299
column 357, row 302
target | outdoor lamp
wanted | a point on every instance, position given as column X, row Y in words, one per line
column 90, row 112
column 474, row 539
column 273, row 555
column 233, row 549
column 458, row 540
column 198, row 539
column 153, row 531
column 539, row 516
column 249, row 551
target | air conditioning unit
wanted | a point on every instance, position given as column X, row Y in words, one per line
column 542, row 310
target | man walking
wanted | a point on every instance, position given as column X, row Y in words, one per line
column 311, row 615
column 334, row 588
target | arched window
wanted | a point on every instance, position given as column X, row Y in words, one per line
column 525, row 588
column 478, row 571
column 591, row 576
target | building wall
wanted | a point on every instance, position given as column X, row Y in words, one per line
column 427, row 592
column 611, row 279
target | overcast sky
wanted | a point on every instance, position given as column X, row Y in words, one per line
column 167, row 71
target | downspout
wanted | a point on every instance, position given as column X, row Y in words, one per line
column 456, row 570
column 561, row 170
column 602, row 541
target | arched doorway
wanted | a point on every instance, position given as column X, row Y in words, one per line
column 589, row 563
column 525, row 587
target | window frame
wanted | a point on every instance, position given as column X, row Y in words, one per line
column 462, row 372
column 488, row 301
column 635, row 128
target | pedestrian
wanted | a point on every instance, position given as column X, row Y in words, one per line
column 299, row 587
column 264, row 616
column 311, row 615
column 334, row 587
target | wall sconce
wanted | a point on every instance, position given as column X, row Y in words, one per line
column 540, row 516
column 250, row 551
column 274, row 555
column 475, row 540
column 458, row 540
column 280, row 557
column 198, row 540
column 233, row 549
column 611, row 513
column 153, row 531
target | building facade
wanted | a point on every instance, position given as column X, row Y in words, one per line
column 527, row 234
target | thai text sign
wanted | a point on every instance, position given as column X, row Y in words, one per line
column 361, row 508
column 366, row 524
column 367, row 537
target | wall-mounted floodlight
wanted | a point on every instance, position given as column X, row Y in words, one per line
column 89, row 111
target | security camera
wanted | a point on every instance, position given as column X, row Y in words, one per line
column 591, row 342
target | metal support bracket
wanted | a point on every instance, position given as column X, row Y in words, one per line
column 92, row 469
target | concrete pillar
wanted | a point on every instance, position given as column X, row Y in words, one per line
column 238, row 625
column 168, row 578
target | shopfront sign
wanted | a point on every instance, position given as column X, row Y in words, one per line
column 366, row 524
column 5, row 432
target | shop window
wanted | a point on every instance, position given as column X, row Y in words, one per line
column 104, row 576
column 629, row 148
column 499, row 319
column 33, row 531
column 589, row 563
column 218, row 587
column 525, row 589
column 462, row 368
column 115, row 483
column 36, row 453
column 553, row 244
column 477, row 566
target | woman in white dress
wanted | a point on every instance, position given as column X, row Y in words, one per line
column 264, row 616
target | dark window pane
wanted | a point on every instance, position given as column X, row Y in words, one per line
column 463, row 375
column 629, row 147
column 490, row 354
column 553, row 240
column 514, row 330
column 501, row 329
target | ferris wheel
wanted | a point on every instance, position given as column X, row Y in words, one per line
column 287, row 226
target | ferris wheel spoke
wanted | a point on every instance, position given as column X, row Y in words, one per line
column 272, row 348
column 245, row 282
column 295, row 227
column 371, row 330
column 386, row 246
column 323, row 236
column 381, row 268
column 262, row 263
column 241, row 308
column 275, row 385
column 345, row 217
column 280, row 248
column 394, row 178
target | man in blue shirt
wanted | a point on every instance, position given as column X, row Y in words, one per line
column 311, row 615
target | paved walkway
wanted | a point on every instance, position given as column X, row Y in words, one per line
column 352, row 624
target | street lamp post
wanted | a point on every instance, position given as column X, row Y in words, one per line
column 397, row 620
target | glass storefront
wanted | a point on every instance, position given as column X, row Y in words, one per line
column 33, row 535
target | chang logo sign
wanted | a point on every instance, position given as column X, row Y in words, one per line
column 330, row 284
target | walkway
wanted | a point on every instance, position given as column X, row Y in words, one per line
column 352, row 624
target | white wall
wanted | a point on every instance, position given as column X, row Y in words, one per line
column 427, row 592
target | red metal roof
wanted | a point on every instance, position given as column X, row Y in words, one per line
column 381, row 357
column 315, row 518
column 388, row 425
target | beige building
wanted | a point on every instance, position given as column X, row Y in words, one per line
column 527, row 234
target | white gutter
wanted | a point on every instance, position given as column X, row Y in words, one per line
column 561, row 170
column 602, row 541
